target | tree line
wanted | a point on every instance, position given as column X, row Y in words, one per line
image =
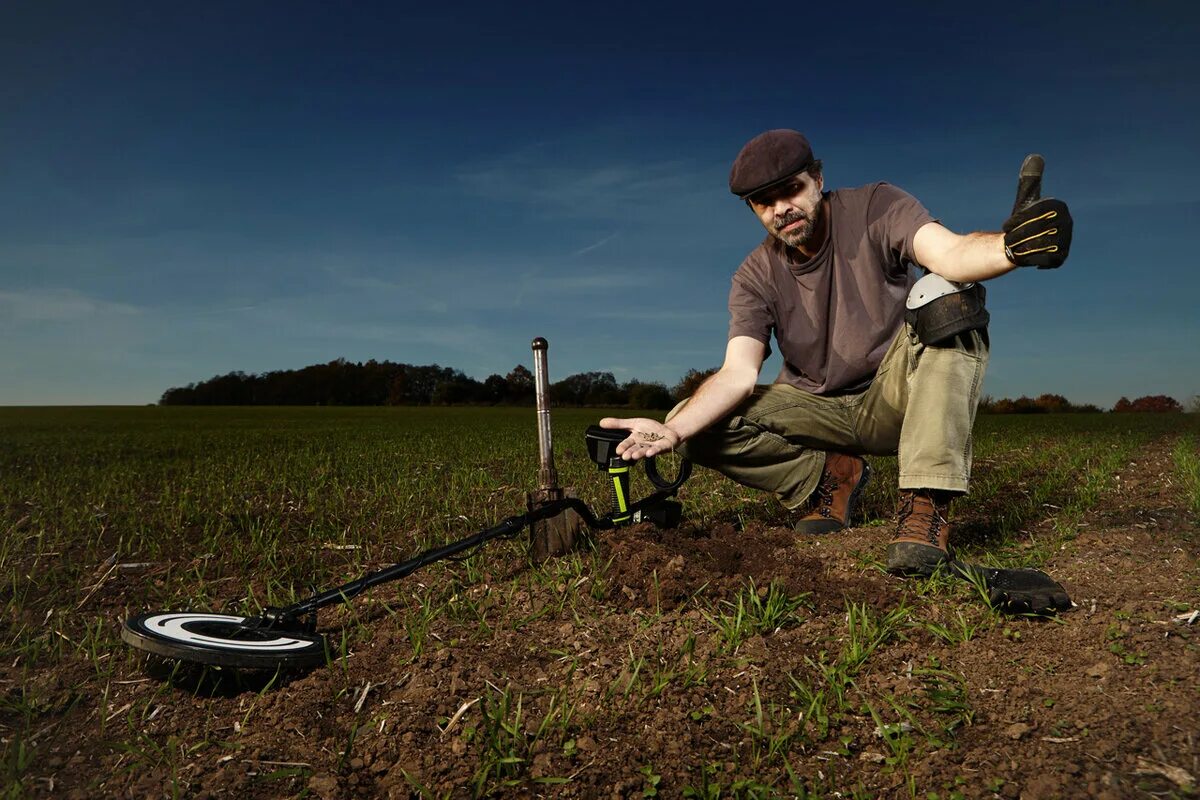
column 1057, row 404
column 347, row 383
column 376, row 383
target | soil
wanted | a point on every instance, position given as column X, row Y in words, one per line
column 1101, row 702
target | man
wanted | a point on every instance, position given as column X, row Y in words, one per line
column 831, row 281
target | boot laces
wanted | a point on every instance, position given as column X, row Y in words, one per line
column 825, row 489
column 931, row 520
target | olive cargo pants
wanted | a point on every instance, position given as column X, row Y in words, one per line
column 920, row 407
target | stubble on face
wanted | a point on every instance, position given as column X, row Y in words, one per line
column 804, row 233
column 799, row 223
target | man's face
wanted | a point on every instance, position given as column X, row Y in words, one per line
column 791, row 211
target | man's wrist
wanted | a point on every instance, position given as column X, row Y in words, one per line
column 679, row 437
column 1008, row 254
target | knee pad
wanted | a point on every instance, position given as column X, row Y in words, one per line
column 938, row 309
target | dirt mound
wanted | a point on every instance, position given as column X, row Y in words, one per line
column 657, row 569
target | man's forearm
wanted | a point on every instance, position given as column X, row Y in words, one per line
column 715, row 398
column 974, row 257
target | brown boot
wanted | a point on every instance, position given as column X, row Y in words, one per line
column 841, row 483
column 922, row 540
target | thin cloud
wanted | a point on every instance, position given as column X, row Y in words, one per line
column 59, row 305
column 591, row 247
column 457, row 337
column 714, row 320
column 556, row 183
column 443, row 287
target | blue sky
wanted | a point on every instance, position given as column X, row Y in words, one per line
column 188, row 189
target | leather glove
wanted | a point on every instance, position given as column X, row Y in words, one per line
column 1028, row 591
column 1017, row 591
column 1039, row 235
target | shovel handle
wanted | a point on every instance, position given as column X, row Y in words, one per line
column 547, row 474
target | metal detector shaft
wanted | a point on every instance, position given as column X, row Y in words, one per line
column 508, row 527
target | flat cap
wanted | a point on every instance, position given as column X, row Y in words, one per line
column 767, row 159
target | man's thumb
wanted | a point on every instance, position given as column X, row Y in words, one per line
column 1029, row 182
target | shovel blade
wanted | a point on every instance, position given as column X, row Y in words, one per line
column 557, row 535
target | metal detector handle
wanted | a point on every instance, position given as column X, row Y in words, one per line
column 618, row 473
column 602, row 447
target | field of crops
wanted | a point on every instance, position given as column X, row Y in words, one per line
column 725, row 658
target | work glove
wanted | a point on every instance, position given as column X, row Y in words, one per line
column 1027, row 591
column 1017, row 591
column 1038, row 234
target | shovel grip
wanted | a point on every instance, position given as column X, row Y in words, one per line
column 547, row 474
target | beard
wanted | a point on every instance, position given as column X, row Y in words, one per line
column 802, row 235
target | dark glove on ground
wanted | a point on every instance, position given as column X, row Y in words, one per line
column 1018, row 591
column 1039, row 235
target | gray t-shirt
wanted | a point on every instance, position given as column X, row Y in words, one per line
column 835, row 315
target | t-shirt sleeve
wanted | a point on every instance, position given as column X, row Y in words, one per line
column 893, row 217
column 749, row 313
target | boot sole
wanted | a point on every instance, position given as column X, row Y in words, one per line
column 818, row 527
column 912, row 559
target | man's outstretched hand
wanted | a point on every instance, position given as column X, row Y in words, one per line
column 647, row 437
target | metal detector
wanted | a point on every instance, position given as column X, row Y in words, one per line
column 286, row 637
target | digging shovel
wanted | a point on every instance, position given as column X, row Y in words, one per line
column 555, row 535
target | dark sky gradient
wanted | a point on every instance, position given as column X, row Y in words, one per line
column 190, row 189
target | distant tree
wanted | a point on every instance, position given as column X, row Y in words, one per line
column 1043, row 404
column 494, row 389
column 648, row 395
column 1158, row 403
column 396, row 387
column 587, row 389
column 1022, row 405
column 1194, row 404
column 179, row 396
column 455, row 389
column 690, row 382
column 232, row 389
column 520, row 385
column 1053, row 403
column 604, row 391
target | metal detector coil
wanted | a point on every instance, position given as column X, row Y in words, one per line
column 224, row 640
